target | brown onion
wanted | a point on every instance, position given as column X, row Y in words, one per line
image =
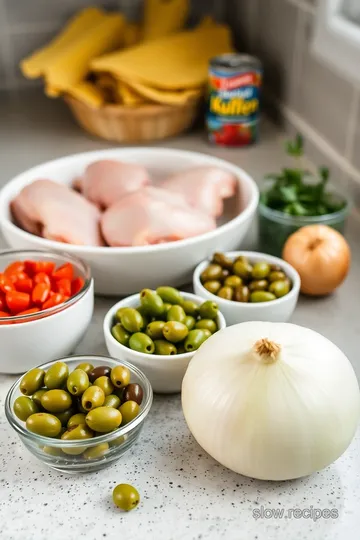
column 321, row 255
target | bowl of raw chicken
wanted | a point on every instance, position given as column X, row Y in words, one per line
column 138, row 216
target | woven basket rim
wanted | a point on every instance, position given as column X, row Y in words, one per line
column 143, row 110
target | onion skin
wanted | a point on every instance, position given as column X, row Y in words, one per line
column 322, row 257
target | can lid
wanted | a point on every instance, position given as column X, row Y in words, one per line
column 235, row 61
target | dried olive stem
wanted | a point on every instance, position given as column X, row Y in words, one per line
column 267, row 350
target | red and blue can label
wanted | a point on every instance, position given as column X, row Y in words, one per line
column 234, row 100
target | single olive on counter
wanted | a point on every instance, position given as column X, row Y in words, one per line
column 246, row 281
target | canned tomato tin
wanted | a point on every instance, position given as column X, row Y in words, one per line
column 234, row 99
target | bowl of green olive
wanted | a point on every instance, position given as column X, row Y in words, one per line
column 248, row 286
column 81, row 413
column 159, row 331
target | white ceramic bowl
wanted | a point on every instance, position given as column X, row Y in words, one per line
column 279, row 310
column 165, row 373
column 49, row 334
column 120, row 271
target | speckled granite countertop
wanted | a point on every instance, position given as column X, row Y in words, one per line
column 186, row 495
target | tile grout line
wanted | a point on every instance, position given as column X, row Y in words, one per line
column 352, row 125
column 319, row 141
column 303, row 5
column 6, row 49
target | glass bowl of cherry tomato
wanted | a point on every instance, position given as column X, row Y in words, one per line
column 46, row 305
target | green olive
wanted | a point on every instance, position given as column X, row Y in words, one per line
column 175, row 331
column 85, row 366
column 104, row 419
column 125, row 497
column 207, row 324
column 65, row 416
column 118, row 441
column 96, row 452
column 76, row 419
column 258, row 285
column 56, row 375
column 141, row 342
column 119, row 313
column 190, row 322
column 38, row 395
column 280, row 288
column 262, row 296
column 260, row 270
column 151, row 302
column 242, row 269
column 176, row 313
column 180, row 348
column 76, row 433
column 167, row 306
column 213, row 286
column 190, row 307
column 120, row 376
column 276, row 276
column 225, row 274
column 222, row 260
column 112, row 401
column 104, row 383
column 129, row 410
column 242, row 294
column 154, row 329
column 212, row 272
column 120, row 334
column 25, row 407
column 44, row 424
column 92, row 397
column 195, row 339
column 169, row 295
column 209, row 310
column 165, row 348
column 32, row 381
column 78, row 382
column 233, row 281
column 132, row 320
column 52, row 451
column 242, row 258
column 275, row 268
column 226, row 293
column 56, row 401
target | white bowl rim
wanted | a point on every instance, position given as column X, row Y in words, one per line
column 290, row 271
column 161, row 357
column 50, row 244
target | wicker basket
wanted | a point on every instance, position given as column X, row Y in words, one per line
column 125, row 124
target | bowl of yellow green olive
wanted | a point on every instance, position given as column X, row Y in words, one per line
column 81, row 413
column 248, row 286
column 159, row 331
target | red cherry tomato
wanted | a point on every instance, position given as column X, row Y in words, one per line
column 76, row 285
column 17, row 301
column 64, row 286
column 45, row 266
column 40, row 293
column 30, row 267
column 6, row 284
column 29, row 311
column 14, row 268
column 3, row 306
column 54, row 300
column 65, row 271
column 42, row 277
column 24, row 285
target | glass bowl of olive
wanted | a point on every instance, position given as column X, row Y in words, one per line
column 248, row 286
column 159, row 331
column 81, row 413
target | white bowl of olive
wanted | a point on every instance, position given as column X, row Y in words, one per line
column 159, row 331
column 248, row 286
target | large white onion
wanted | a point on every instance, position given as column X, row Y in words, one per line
column 272, row 401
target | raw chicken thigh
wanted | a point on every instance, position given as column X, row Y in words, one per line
column 54, row 211
column 106, row 181
column 152, row 216
column 204, row 188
